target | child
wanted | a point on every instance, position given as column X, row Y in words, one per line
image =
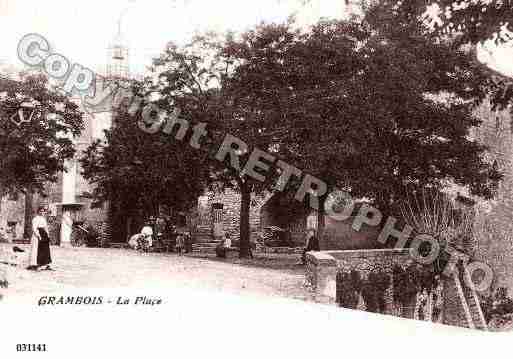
column 180, row 244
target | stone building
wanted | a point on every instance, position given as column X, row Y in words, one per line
column 69, row 198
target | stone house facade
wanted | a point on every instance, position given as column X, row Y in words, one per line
column 69, row 194
column 219, row 213
column 69, row 197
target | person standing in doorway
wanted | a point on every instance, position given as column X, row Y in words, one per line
column 40, row 242
column 160, row 229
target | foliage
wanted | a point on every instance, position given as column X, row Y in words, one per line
column 33, row 152
column 464, row 25
column 475, row 21
column 138, row 171
column 349, row 286
column 435, row 214
column 373, row 291
column 370, row 88
column 405, row 284
column 498, row 306
column 398, row 104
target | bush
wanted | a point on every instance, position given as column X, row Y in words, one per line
column 349, row 286
column 92, row 236
column 499, row 305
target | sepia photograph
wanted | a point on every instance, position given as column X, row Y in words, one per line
column 232, row 163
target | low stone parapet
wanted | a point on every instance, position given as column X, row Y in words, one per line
column 389, row 281
column 322, row 267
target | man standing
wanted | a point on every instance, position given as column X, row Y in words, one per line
column 160, row 229
column 312, row 244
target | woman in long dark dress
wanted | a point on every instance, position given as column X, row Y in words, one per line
column 40, row 250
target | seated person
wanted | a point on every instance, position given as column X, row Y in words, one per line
column 160, row 228
column 187, row 242
column 227, row 241
column 222, row 247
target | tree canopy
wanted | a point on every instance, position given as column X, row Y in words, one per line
column 367, row 107
column 465, row 25
column 37, row 126
column 138, row 171
column 373, row 107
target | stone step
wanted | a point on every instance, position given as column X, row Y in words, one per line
column 202, row 235
column 205, row 247
column 202, row 238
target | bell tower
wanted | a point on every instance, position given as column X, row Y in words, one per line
column 118, row 56
column 353, row 8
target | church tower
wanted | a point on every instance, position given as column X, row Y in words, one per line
column 354, row 8
column 118, row 57
column 76, row 204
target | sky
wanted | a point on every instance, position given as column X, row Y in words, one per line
column 82, row 30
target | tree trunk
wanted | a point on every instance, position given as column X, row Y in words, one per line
column 245, row 204
column 29, row 213
column 321, row 218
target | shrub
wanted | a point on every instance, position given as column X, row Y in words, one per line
column 349, row 286
column 499, row 306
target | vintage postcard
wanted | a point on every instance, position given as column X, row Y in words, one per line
column 352, row 154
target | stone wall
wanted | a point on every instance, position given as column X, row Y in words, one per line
column 322, row 267
column 296, row 227
column 12, row 209
column 450, row 301
column 340, row 235
column 230, row 199
column 495, row 218
column 366, row 280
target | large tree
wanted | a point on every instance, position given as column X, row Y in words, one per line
column 137, row 171
column 368, row 107
column 37, row 126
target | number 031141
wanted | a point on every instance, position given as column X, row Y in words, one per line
column 30, row 347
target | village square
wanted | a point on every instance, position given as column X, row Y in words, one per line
column 362, row 160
